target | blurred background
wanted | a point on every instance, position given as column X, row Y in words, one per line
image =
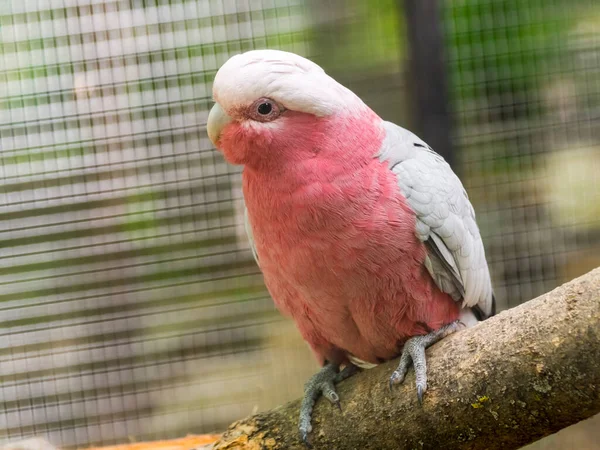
column 130, row 305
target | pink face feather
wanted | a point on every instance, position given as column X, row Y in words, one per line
column 334, row 236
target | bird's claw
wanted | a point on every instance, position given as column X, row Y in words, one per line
column 329, row 393
column 414, row 352
column 397, row 377
column 304, row 437
column 321, row 383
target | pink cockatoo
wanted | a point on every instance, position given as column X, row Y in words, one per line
column 364, row 235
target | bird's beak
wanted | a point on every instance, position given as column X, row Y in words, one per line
column 217, row 119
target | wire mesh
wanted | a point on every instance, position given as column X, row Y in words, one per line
column 525, row 86
column 130, row 304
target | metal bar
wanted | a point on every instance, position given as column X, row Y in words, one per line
column 429, row 99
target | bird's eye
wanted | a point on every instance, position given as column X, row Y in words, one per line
column 264, row 110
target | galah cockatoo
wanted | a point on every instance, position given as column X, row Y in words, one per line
column 364, row 235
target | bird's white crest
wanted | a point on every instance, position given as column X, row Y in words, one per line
column 289, row 79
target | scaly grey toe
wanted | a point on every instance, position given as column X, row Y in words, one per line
column 414, row 351
column 321, row 383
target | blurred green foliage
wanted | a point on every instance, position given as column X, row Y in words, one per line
column 368, row 37
column 500, row 53
column 503, row 52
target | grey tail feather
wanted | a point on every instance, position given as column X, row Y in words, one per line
column 480, row 315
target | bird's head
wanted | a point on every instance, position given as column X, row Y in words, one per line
column 273, row 107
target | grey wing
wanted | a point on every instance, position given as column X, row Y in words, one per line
column 445, row 219
column 250, row 235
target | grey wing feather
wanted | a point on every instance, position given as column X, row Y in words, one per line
column 445, row 219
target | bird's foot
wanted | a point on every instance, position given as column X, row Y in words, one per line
column 321, row 383
column 414, row 351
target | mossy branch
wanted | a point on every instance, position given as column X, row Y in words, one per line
column 521, row 375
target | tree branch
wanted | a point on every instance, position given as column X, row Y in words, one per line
column 519, row 376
